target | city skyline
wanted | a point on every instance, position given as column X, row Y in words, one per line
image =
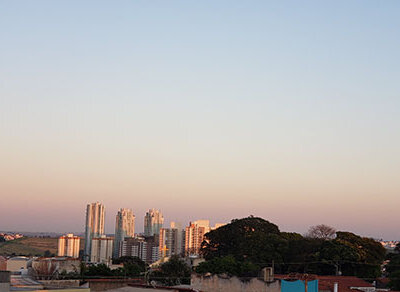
column 173, row 222
column 288, row 111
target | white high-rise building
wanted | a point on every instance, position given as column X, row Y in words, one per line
column 124, row 227
column 95, row 213
column 68, row 245
column 153, row 222
column 101, row 250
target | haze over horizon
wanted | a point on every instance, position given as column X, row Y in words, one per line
column 206, row 110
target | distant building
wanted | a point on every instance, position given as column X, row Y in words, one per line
column 17, row 264
column 172, row 241
column 153, row 222
column 194, row 235
column 68, row 245
column 101, row 250
column 44, row 268
column 95, row 213
column 145, row 248
column 124, row 227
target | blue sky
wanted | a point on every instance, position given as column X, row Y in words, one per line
column 205, row 109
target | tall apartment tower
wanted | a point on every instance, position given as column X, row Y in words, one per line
column 124, row 227
column 94, row 226
column 194, row 236
column 171, row 241
column 68, row 245
column 153, row 222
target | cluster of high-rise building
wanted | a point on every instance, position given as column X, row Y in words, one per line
column 156, row 243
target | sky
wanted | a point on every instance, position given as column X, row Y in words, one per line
column 286, row 110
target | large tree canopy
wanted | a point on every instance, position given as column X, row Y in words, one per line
column 251, row 239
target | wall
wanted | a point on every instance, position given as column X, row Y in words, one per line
column 108, row 284
column 57, row 284
column 15, row 264
column 4, row 281
column 232, row 284
column 3, row 264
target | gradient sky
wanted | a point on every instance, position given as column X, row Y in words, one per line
column 287, row 110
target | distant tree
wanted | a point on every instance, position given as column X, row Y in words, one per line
column 228, row 265
column 393, row 269
column 221, row 265
column 321, row 231
column 173, row 272
column 397, row 248
column 129, row 259
column 98, row 270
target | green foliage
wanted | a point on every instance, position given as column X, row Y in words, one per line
column 173, row 272
column 133, row 266
column 248, row 239
column 257, row 242
column 228, row 265
column 393, row 270
column 99, row 270
column 301, row 254
column 364, row 255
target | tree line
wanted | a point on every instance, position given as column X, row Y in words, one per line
column 246, row 245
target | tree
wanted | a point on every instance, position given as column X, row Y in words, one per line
column 228, row 265
column 249, row 239
column 356, row 255
column 397, row 248
column 321, row 231
column 133, row 266
column 99, row 270
column 393, row 268
column 173, row 272
column 301, row 254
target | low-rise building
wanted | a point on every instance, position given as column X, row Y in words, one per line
column 17, row 264
column 50, row 268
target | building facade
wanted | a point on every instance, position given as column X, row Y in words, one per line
column 172, row 241
column 95, row 214
column 194, row 236
column 101, row 250
column 124, row 227
column 68, row 245
column 153, row 222
column 145, row 248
